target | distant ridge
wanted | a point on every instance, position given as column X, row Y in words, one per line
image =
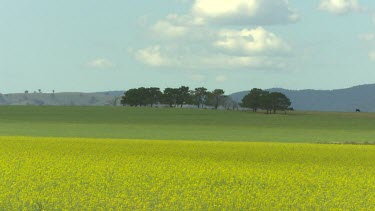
column 349, row 99
column 361, row 97
column 110, row 98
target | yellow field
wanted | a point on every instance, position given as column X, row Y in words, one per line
column 83, row 174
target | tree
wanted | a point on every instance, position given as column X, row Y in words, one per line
column 229, row 103
column 154, row 95
column 130, row 98
column 183, row 95
column 271, row 102
column 143, row 96
column 135, row 97
column 253, row 100
column 266, row 102
column 217, row 94
column 282, row 102
column 200, row 95
column 170, row 96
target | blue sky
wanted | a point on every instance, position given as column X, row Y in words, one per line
column 93, row 45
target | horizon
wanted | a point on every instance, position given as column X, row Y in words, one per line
column 63, row 92
column 233, row 45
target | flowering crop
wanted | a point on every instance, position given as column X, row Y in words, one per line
column 88, row 174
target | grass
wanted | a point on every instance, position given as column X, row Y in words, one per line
column 91, row 174
column 186, row 124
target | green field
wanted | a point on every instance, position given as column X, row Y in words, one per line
column 186, row 124
column 106, row 158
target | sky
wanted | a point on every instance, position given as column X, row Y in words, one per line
column 236, row 45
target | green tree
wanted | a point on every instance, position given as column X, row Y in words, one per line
column 136, row 97
column 183, row 95
column 153, row 95
column 253, row 100
column 131, row 98
column 271, row 102
column 170, row 96
column 282, row 102
column 143, row 96
column 200, row 95
column 266, row 102
column 218, row 95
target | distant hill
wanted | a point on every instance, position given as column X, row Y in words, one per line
column 362, row 97
column 64, row 99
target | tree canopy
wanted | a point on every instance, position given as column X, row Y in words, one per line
column 202, row 98
column 268, row 101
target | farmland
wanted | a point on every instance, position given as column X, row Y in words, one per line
column 84, row 174
column 86, row 158
column 186, row 124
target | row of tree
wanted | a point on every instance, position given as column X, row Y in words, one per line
column 177, row 97
column 201, row 97
column 268, row 101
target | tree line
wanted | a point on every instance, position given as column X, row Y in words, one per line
column 257, row 99
column 177, row 97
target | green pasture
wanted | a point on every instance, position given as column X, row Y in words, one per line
column 185, row 124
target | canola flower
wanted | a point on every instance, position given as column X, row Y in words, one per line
column 92, row 174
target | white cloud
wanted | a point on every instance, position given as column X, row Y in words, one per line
column 203, row 39
column 243, row 49
column 166, row 28
column 221, row 78
column 251, row 41
column 100, row 63
column 152, row 57
column 190, row 59
column 340, row 6
column 243, row 12
column 224, row 61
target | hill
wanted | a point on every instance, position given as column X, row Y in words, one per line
column 361, row 97
column 63, row 99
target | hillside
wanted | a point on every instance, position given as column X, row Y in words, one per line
column 62, row 99
column 361, row 97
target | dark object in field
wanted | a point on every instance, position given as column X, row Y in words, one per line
column 357, row 110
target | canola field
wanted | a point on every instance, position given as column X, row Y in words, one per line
column 118, row 174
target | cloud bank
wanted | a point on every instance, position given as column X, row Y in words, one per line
column 221, row 34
